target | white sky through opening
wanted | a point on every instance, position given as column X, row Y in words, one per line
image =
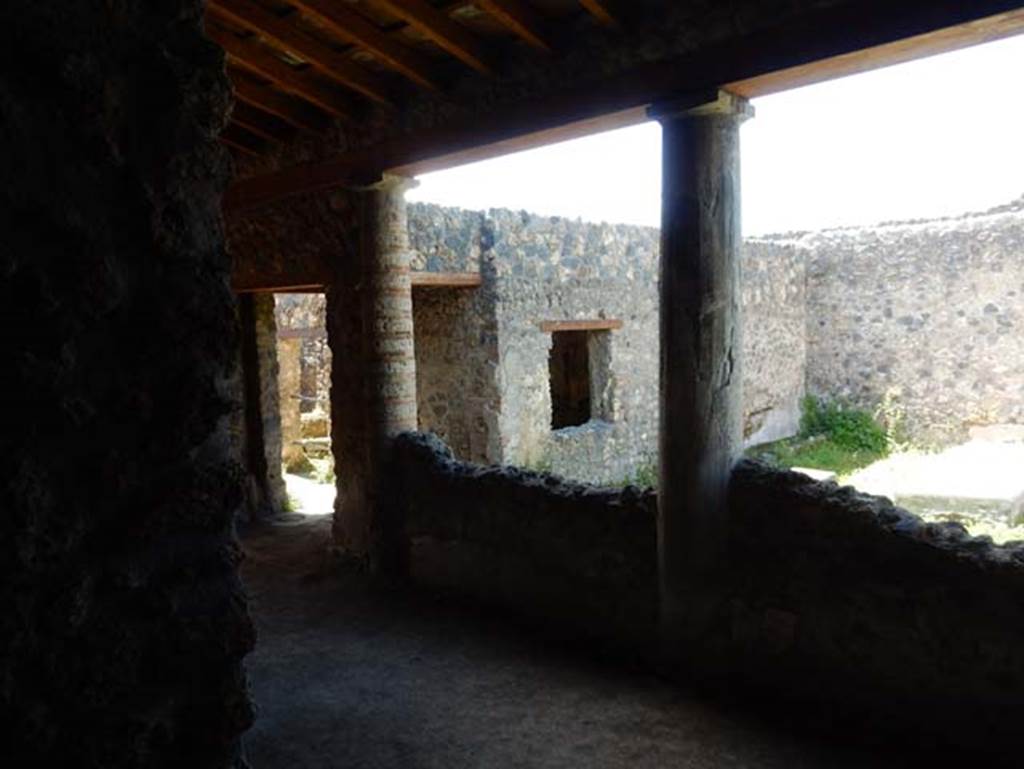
column 934, row 137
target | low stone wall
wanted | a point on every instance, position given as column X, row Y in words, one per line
column 844, row 598
column 579, row 557
column 837, row 598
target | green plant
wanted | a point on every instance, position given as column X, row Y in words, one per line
column 645, row 476
column 892, row 416
column 848, row 428
column 833, row 436
column 541, row 464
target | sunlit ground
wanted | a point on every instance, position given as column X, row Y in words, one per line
column 309, row 496
column 979, row 484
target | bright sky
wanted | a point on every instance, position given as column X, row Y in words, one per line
column 934, row 137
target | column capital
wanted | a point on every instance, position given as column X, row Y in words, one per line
column 702, row 104
column 389, row 183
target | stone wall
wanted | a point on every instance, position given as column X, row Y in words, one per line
column 457, row 369
column 845, row 599
column 929, row 313
column 257, row 425
column 552, row 269
column 123, row 623
column 300, row 319
column 925, row 314
column 289, row 356
column 447, row 239
column 573, row 556
column 827, row 597
column 482, row 357
column 774, row 301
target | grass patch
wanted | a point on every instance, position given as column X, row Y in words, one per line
column 832, row 437
column 820, row 453
column 645, row 476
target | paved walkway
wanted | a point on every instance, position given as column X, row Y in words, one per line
column 344, row 677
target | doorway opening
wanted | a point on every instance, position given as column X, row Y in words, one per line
column 304, row 403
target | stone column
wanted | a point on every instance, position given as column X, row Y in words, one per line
column 373, row 369
column 701, row 409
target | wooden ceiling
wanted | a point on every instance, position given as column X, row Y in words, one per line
column 300, row 64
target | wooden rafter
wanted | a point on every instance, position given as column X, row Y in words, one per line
column 522, row 20
column 601, row 10
column 258, row 59
column 356, row 29
column 286, row 107
column 283, row 32
column 242, row 140
column 261, row 123
column 448, row 34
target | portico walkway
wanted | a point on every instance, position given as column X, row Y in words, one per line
column 347, row 677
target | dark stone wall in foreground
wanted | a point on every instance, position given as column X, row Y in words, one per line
column 827, row 596
column 122, row 620
column 838, row 596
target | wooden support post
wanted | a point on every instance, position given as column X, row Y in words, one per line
column 373, row 368
column 700, row 433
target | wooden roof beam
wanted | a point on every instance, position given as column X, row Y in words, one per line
column 601, row 10
column 253, row 57
column 448, row 34
column 261, row 123
column 283, row 32
column 358, row 30
column 298, row 113
column 521, row 19
column 242, row 140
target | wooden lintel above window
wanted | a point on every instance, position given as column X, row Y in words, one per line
column 446, row 279
column 597, row 324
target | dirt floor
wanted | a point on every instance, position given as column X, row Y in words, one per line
column 348, row 676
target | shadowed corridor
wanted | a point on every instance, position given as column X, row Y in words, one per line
column 346, row 676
